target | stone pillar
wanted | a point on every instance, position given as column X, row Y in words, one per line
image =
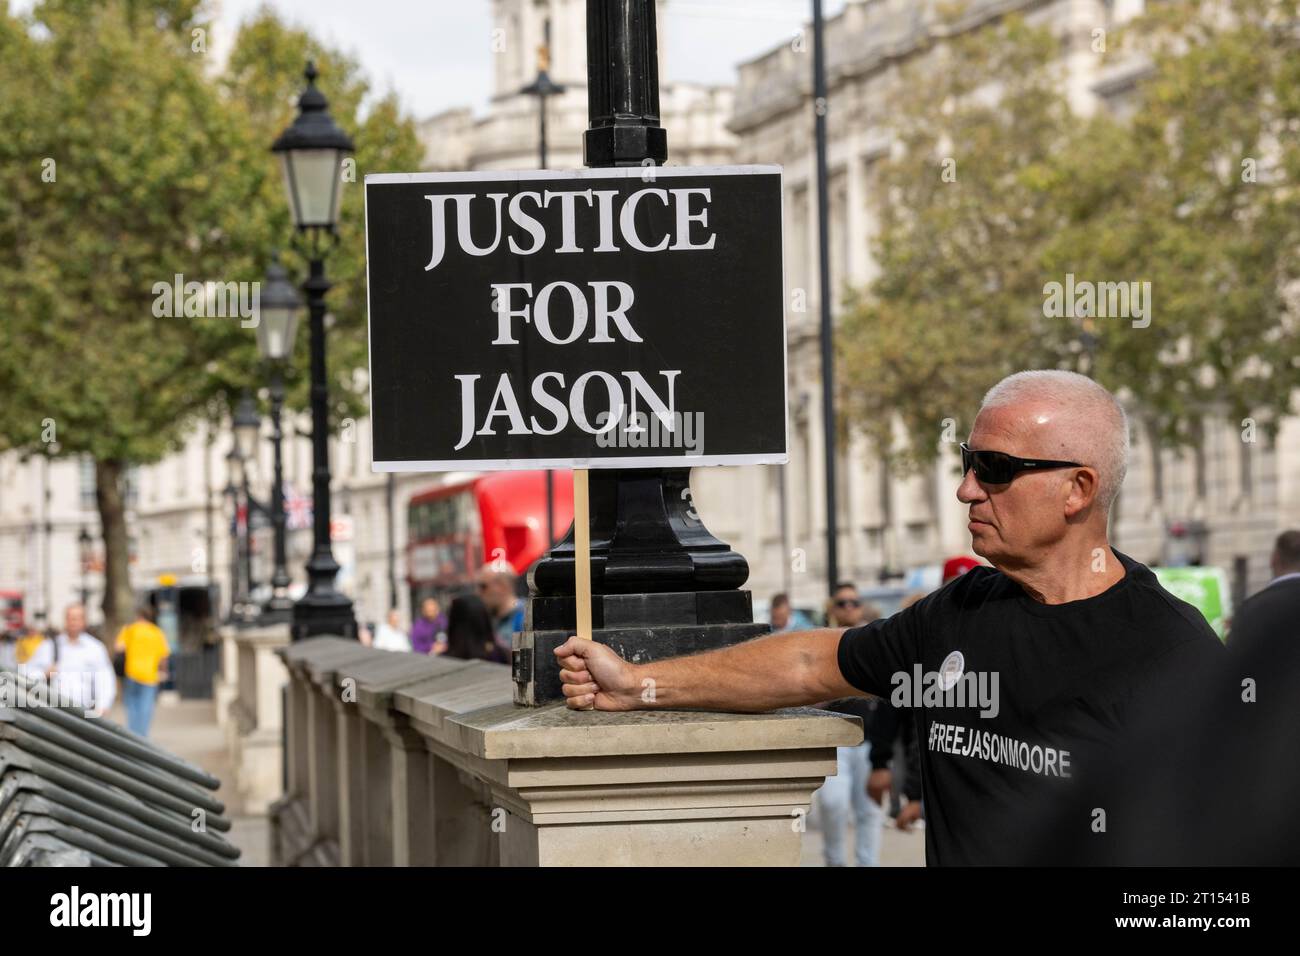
column 256, row 736
column 363, row 752
column 467, row 821
column 399, row 826
column 305, row 825
column 225, row 684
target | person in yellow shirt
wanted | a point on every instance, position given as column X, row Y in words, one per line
column 146, row 649
column 25, row 647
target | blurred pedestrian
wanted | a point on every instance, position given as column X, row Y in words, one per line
column 956, row 567
column 77, row 666
column 780, row 615
column 145, row 667
column 847, row 791
column 470, row 634
column 389, row 636
column 895, row 755
column 1271, row 614
column 19, row 647
column 429, row 628
column 496, row 586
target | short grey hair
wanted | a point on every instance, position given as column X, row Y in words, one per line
column 1099, row 436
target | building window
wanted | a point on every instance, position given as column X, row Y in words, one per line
column 1199, row 464
column 132, row 495
column 86, row 476
column 799, row 246
column 1157, row 468
column 179, row 470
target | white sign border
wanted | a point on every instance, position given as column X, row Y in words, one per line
column 649, row 173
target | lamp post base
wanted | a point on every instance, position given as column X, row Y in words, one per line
column 278, row 610
column 323, row 614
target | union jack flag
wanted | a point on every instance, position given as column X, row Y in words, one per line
column 297, row 509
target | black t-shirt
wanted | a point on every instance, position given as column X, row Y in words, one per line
column 1015, row 701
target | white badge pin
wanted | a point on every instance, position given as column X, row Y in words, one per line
column 950, row 670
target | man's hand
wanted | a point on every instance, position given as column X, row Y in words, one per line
column 594, row 677
column 908, row 814
column 878, row 784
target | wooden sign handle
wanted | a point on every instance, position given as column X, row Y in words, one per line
column 582, row 553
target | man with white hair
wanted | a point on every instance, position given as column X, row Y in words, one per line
column 1020, row 676
column 77, row 666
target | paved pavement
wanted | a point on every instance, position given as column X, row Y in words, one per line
column 188, row 728
column 897, row 848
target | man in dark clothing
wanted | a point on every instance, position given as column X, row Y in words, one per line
column 893, row 740
column 1019, row 676
column 846, row 790
column 1274, row 613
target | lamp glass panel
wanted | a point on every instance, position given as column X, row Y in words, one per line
column 313, row 175
column 275, row 332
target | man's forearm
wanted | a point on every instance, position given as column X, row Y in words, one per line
column 780, row 670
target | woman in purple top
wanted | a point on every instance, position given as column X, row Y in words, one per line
column 431, row 623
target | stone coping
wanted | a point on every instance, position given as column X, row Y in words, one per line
column 511, row 732
column 372, row 668
column 320, row 663
column 468, row 706
column 317, row 648
column 377, row 693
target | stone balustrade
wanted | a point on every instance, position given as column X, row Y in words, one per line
column 398, row 759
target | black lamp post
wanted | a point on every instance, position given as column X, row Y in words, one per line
column 84, row 543
column 312, row 150
column 247, row 426
column 542, row 87
column 824, row 295
column 235, row 481
column 276, row 328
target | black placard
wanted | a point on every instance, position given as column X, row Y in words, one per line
column 676, row 273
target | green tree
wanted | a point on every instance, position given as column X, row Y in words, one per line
column 1195, row 193
column 128, row 163
column 964, row 214
column 262, row 81
column 1163, row 195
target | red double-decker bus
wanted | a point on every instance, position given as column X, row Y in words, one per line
column 11, row 604
column 454, row 530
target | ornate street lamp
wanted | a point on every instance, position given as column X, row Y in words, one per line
column 247, row 426
column 312, row 151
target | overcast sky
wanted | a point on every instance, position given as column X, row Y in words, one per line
column 435, row 53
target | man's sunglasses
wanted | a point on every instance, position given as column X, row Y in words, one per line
column 998, row 468
column 848, row 602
